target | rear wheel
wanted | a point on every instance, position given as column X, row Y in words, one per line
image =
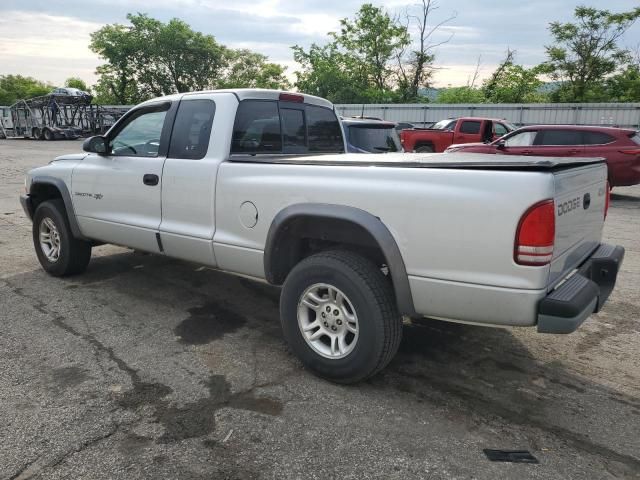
column 424, row 149
column 339, row 316
column 47, row 134
column 35, row 133
column 58, row 251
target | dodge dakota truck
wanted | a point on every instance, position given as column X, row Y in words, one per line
column 453, row 130
column 256, row 183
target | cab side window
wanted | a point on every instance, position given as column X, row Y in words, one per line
column 192, row 129
column 141, row 136
column 470, row 126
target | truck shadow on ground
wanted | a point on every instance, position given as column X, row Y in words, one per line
column 474, row 372
column 435, row 351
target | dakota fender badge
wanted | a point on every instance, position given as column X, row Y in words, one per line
column 97, row 196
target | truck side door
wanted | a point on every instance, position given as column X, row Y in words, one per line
column 467, row 131
column 116, row 196
column 189, row 180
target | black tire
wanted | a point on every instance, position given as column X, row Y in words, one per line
column 47, row 134
column 74, row 254
column 36, row 134
column 373, row 300
column 424, row 149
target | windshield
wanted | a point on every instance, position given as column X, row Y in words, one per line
column 444, row 124
column 375, row 139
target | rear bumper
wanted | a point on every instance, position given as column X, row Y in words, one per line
column 564, row 309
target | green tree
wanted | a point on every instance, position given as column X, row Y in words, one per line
column 150, row 58
column 511, row 83
column 373, row 38
column 117, row 83
column 247, row 69
column 625, row 85
column 329, row 73
column 460, row 95
column 358, row 63
column 17, row 87
column 76, row 82
column 586, row 51
column 415, row 60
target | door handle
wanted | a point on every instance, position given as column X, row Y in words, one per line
column 150, row 179
column 573, row 152
column 526, row 152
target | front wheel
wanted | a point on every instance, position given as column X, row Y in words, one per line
column 339, row 316
column 58, row 251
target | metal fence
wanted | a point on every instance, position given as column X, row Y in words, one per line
column 604, row 114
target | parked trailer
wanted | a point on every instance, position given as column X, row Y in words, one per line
column 5, row 120
column 51, row 117
column 422, row 115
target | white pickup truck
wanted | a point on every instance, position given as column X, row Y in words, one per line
column 255, row 182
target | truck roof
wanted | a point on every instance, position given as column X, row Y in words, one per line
column 251, row 94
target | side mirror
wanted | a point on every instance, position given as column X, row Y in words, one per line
column 97, row 144
column 500, row 145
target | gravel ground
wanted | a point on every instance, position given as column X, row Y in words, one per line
column 146, row 367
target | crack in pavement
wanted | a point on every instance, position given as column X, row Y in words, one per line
column 36, row 466
column 193, row 419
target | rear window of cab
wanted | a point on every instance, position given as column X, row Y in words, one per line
column 270, row 126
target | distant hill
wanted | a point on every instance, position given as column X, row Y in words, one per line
column 549, row 87
column 430, row 92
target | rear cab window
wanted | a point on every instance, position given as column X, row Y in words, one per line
column 635, row 138
column 374, row 138
column 448, row 124
column 272, row 126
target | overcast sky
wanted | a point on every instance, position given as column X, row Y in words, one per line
column 49, row 39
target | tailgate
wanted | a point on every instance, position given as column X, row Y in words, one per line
column 580, row 198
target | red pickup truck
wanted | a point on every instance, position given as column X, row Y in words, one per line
column 453, row 130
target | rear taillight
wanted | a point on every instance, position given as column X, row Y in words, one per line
column 536, row 235
column 607, row 200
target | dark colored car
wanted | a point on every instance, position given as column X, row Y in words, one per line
column 619, row 146
column 371, row 136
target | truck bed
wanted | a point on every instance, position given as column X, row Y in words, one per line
column 424, row 160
